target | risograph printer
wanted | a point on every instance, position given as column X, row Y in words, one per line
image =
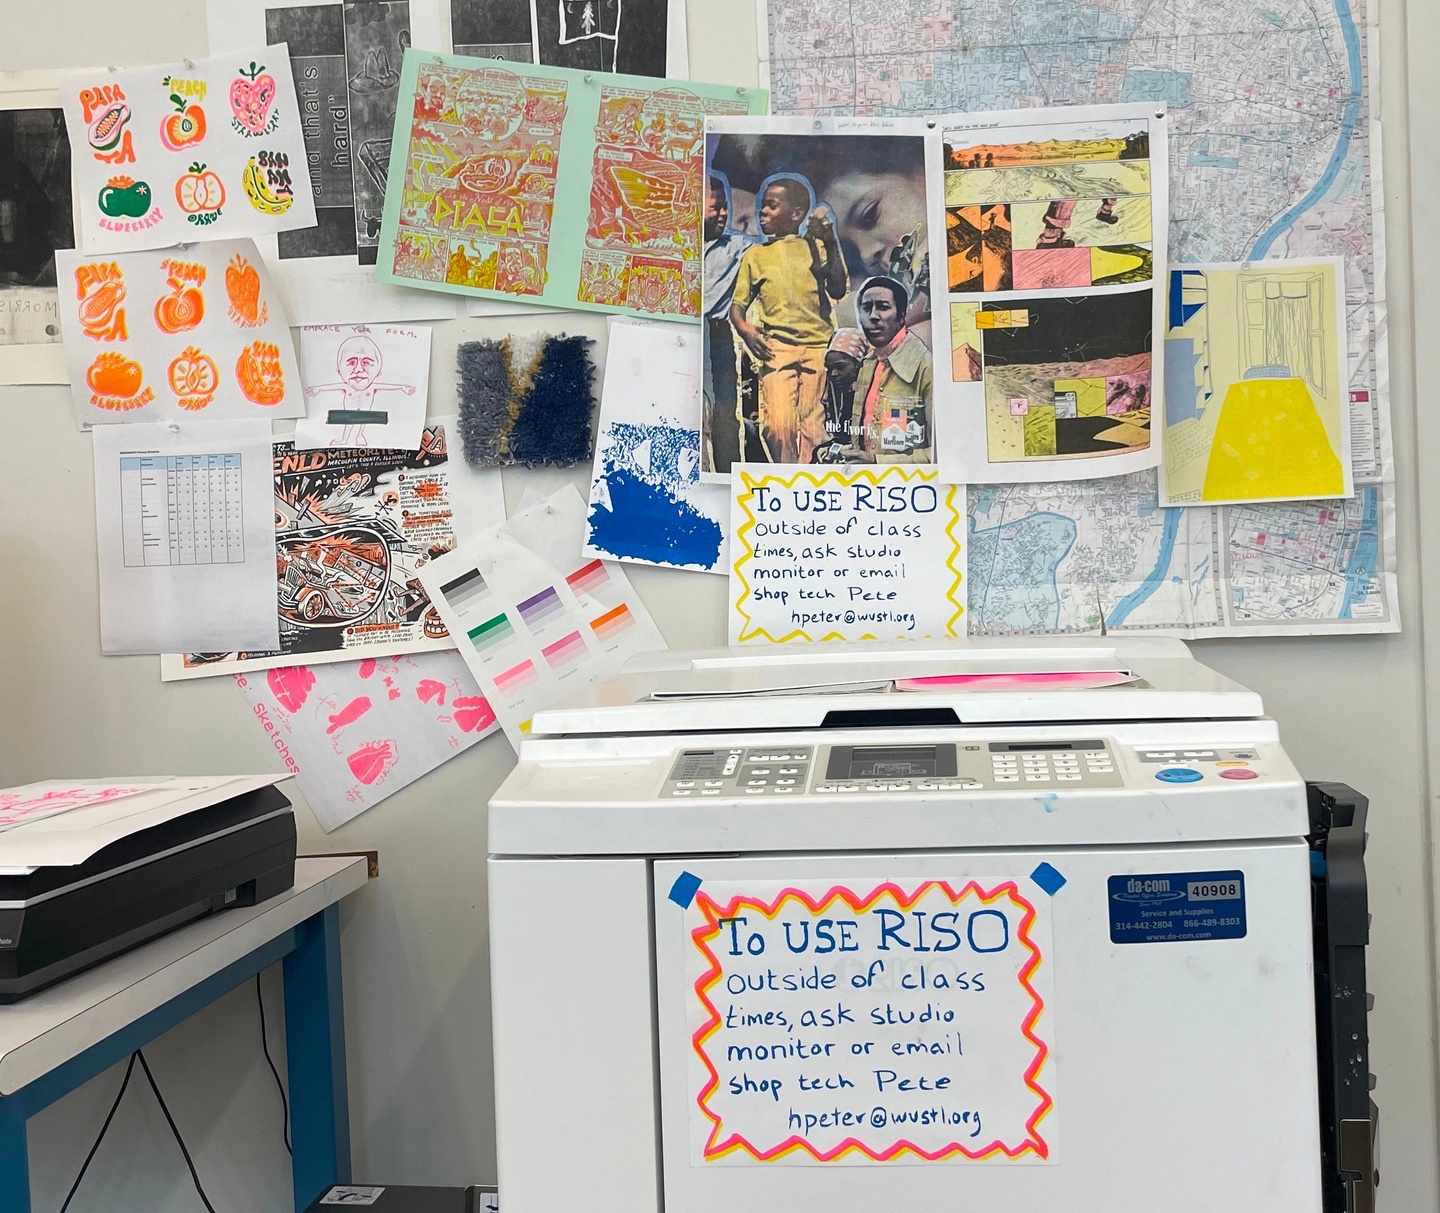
column 1053, row 925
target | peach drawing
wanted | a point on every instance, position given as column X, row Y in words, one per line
column 193, row 377
column 184, row 307
column 186, row 126
column 242, row 286
column 116, row 381
column 260, row 374
column 429, row 689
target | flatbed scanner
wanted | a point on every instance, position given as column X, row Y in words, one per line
column 82, row 886
column 1051, row 924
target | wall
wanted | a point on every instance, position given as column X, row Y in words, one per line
column 417, row 994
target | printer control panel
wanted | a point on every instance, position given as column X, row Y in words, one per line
column 740, row 771
column 838, row 770
column 948, row 767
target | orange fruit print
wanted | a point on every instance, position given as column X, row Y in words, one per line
column 242, row 287
column 180, row 311
column 193, row 378
column 116, row 378
column 260, row 374
column 184, row 127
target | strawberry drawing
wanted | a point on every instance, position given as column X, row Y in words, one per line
column 252, row 98
column 428, row 689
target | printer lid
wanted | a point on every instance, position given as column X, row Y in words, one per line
column 984, row 680
column 62, row 823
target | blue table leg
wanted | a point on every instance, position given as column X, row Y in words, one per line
column 315, row 1059
column 14, row 1162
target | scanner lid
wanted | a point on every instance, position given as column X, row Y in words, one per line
column 984, row 680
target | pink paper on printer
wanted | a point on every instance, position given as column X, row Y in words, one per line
column 1057, row 680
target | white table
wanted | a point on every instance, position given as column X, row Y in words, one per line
column 60, row 1038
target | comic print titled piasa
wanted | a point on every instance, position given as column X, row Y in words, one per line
column 196, row 150
column 353, row 527
column 498, row 157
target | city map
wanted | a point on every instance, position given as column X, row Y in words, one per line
column 1058, row 557
column 1271, row 146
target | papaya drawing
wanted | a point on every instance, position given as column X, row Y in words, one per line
column 101, row 290
column 116, row 382
column 193, row 378
column 107, row 131
column 259, row 373
column 107, row 118
column 242, row 288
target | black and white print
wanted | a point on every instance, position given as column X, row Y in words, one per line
column 492, row 29
column 36, row 218
column 346, row 62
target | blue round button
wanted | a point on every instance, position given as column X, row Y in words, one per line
column 1179, row 775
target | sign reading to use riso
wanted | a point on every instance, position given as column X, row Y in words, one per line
column 846, row 553
column 868, row 1021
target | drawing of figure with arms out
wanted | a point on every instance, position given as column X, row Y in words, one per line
column 358, row 363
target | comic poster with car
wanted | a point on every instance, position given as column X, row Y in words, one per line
column 179, row 152
column 353, row 527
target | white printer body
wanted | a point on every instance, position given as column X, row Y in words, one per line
column 769, row 933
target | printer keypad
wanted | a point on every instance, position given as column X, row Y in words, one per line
column 739, row 772
column 769, row 771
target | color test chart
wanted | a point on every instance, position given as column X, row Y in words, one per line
column 533, row 633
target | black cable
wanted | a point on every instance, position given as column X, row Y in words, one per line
column 265, row 1046
column 180, row 1141
column 139, row 1056
column 114, row 1107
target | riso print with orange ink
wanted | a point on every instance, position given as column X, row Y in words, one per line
column 196, row 331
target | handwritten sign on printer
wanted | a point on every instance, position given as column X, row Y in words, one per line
column 845, row 553
column 859, row 1022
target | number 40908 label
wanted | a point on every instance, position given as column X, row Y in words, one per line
column 1171, row 907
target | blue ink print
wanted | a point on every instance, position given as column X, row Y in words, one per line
column 639, row 513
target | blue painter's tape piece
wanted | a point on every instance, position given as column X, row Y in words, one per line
column 683, row 891
column 1048, row 878
column 1317, row 864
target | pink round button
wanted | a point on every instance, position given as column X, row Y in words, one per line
column 1239, row 773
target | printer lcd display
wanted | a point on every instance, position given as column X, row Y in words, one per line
column 894, row 762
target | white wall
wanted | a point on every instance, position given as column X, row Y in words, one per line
column 417, row 992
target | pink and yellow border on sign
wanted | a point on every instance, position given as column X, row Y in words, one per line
column 719, row 1143
column 838, row 477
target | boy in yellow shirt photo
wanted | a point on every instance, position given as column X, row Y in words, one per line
column 783, row 310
